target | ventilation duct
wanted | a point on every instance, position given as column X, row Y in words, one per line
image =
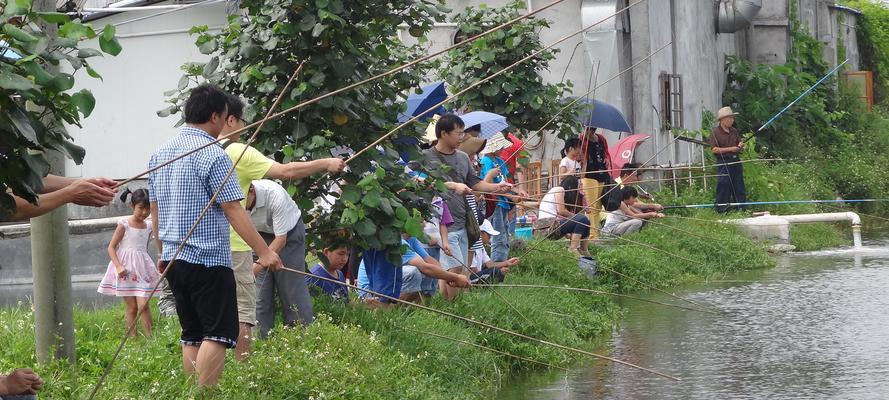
column 734, row 15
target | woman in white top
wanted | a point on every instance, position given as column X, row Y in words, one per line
column 570, row 153
column 558, row 213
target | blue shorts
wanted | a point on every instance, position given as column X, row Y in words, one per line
column 459, row 243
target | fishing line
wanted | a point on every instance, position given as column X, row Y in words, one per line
column 191, row 230
column 485, row 325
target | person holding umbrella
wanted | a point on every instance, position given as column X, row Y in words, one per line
column 727, row 146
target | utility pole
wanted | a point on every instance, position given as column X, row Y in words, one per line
column 53, row 307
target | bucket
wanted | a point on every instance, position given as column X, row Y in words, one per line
column 524, row 233
column 588, row 265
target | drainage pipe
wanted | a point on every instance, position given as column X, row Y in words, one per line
column 831, row 217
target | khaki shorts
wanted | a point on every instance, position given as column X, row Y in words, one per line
column 242, row 263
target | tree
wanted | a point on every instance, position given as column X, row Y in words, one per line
column 521, row 96
column 342, row 42
column 35, row 102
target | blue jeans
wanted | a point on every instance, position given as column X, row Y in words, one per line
column 500, row 243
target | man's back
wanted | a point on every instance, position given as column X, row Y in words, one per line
column 183, row 188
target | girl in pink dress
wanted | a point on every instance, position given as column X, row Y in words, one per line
column 131, row 273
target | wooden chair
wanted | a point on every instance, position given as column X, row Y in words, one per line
column 554, row 179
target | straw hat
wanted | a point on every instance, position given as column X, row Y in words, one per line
column 725, row 112
column 472, row 145
column 496, row 143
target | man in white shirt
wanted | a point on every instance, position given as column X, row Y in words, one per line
column 279, row 220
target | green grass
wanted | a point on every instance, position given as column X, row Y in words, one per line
column 355, row 352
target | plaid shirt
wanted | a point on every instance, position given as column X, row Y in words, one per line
column 183, row 188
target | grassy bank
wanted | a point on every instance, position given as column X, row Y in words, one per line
column 354, row 352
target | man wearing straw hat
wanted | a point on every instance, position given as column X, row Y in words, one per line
column 727, row 147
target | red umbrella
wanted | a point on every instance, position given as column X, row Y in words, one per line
column 623, row 152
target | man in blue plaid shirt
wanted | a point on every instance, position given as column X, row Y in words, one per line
column 201, row 277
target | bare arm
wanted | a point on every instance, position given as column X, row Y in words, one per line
column 155, row 230
column 83, row 192
column 51, row 182
column 631, row 212
column 560, row 205
column 434, row 271
column 240, row 221
column 278, row 243
column 299, row 170
column 112, row 250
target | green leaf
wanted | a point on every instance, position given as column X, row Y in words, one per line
column 53, row 17
column 210, row 67
column 371, row 199
column 87, row 53
column 413, row 227
column 84, row 101
column 36, row 163
column 91, row 72
column 76, row 31
column 322, row 3
column 317, row 80
column 389, row 236
column 74, row 152
column 11, row 81
column 17, row 7
column 317, row 29
column 62, row 82
column 386, row 207
column 209, row 46
column 22, row 123
column 183, row 82
column 267, row 86
column 351, row 194
column 365, row 228
column 306, row 23
column 41, row 76
column 491, row 90
column 486, row 55
column 18, row 34
column 401, row 213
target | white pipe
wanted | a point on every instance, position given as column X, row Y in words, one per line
column 826, row 217
column 142, row 8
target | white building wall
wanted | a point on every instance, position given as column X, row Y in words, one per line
column 124, row 128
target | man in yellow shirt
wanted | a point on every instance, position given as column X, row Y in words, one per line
column 254, row 166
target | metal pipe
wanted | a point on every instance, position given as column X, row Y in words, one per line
column 142, row 8
column 734, row 15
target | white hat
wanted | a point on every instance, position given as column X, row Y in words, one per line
column 725, row 112
column 486, row 227
column 496, row 143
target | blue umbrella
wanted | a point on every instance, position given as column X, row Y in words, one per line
column 605, row 116
column 489, row 123
column 422, row 104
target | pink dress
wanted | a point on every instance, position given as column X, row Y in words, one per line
column 142, row 273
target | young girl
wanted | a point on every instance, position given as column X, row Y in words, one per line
column 569, row 164
column 131, row 274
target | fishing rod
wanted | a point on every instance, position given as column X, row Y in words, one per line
column 493, row 350
column 350, row 87
column 760, row 203
column 800, row 97
column 599, row 292
column 652, row 287
column 483, row 324
column 188, row 235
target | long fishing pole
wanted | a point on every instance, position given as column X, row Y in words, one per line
column 760, row 203
column 484, row 325
column 493, row 350
column 599, row 292
column 349, row 87
column 188, row 235
column 800, row 97
column 492, row 76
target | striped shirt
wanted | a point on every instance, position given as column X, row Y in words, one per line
column 182, row 190
column 474, row 207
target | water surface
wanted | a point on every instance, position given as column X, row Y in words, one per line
column 816, row 326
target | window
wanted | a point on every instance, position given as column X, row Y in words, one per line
column 671, row 101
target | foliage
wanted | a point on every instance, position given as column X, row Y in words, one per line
column 35, row 99
column 872, row 30
column 341, row 43
column 521, row 96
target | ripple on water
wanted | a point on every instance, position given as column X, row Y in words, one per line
column 816, row 326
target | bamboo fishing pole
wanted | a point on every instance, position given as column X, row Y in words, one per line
column 784, row 202
column 599, row 292
column 652, row 287
column 485, row 325
column 349, row 87
column 191, row 231
column 493, row 350
column 496, row 74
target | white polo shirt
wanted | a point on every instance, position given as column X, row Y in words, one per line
column 274, row 211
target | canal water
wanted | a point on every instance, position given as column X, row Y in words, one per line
column 814, row 327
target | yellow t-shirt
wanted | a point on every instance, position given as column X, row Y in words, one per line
column 253, row 165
